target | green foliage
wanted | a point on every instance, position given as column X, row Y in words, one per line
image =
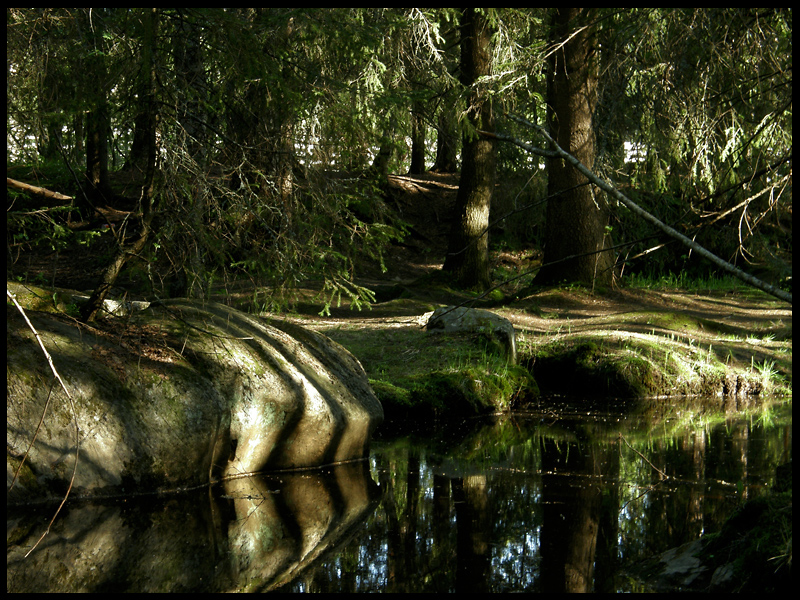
column 269, row 120
column 704, row 95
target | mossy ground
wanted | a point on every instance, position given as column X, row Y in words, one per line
column 414, row 372
column 631, row 343
column 625, row 344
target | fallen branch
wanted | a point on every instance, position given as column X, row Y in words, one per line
column 36, row 191
column 636, row 209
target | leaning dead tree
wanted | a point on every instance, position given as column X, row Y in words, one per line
column 635, row 208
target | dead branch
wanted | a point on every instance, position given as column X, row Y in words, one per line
column 74, row 413
column 36, row 191
column 636, row 209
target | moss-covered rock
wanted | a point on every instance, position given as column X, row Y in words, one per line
column 181, row 395
column 496, row 330
column 456, row 393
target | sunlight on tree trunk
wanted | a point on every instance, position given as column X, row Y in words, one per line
column 576, row 212
column 468, row 251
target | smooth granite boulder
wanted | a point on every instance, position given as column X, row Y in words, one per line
column 496, row 329
column 183, row 393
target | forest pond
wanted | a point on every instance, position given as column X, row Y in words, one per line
column 557, row 499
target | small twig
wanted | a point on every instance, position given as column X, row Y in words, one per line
column 33, row 440
column 74, row 414
column 660, row 472
column 648, row 489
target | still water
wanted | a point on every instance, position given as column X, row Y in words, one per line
column 558, row 499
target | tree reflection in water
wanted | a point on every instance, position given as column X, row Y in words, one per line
column 540, row 503
column 554, row 501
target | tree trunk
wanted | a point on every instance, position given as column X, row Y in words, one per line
column 98, row 121
column 634, row 208
column 447, row 121
column 571, row 516
column 380, row 164
column 473, row 534
column 136, row 161
column 577, row 215
column 446, row 147
column 468, row 252
column 417, row 141
column 97, row 130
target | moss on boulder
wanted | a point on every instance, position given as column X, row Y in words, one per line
column 183, row 394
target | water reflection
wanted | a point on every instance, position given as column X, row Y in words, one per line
column 552, row 501
column 250, row 534
column 548, row 501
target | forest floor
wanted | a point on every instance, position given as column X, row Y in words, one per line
column 623, row 342
column 733, row 343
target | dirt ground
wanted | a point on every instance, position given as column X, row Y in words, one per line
column 426, row 201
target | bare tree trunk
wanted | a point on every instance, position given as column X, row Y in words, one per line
column 468, row 251
column 576, row 213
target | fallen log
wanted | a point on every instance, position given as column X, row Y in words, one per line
column 637, row 210
column 36, row 191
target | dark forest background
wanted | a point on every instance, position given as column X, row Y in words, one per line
column 256, row 144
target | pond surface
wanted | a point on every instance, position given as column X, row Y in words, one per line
column 555, row 500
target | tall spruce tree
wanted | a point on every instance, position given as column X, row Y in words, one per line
column 577, row 214
column 468, row 248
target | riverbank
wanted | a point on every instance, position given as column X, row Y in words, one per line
column 732, row 345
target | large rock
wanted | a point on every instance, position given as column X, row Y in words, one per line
column 495, row 329
column 184, row 394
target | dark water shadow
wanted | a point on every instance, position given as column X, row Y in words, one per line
column 248, row 534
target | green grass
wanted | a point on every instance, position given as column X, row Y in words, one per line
column 655, row 363
column 682, row 281
column 414, row 372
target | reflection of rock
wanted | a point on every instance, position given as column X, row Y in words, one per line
column 282, row 526
column 678, row 568
column 189, row 393
column 687, row 568
column 496, row 329
column 259, row 533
